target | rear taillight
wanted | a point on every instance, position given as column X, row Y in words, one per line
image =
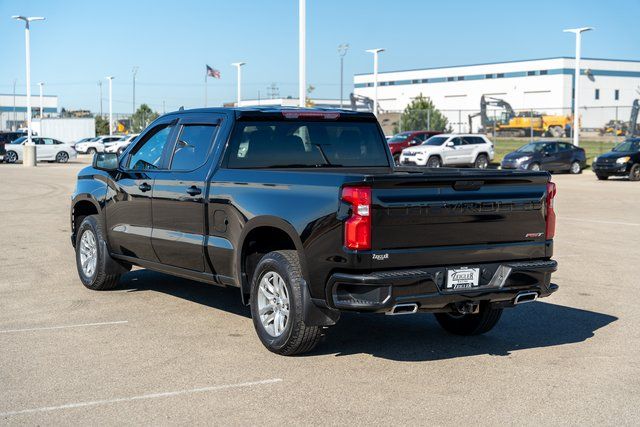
column 551, row 213
column 357, row 229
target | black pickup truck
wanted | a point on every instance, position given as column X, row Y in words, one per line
column 304, row 211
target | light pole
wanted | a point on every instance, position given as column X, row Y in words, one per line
column 134, row 72
column 13, row 127
column 375, row 78
column 342, row 51
column 29, row 159
column 110, row 78
column 239, row 65
column 302, row 55
column 41, row 84
column 576, row 84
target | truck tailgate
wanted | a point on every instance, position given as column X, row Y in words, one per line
column 452, row 209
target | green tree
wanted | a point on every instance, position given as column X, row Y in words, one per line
column 421, row 114
column 143, row 116
column 102, row 126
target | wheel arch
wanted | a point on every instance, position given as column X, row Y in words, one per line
column 82, row 206
column 259, row 236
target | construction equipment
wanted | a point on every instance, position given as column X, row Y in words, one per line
column 510, row 123
column 620, row 128
column 361, row 103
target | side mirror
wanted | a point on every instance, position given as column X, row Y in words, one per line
column 106, row 161
column 449, row 144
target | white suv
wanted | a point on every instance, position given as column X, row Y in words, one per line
column 119, row 145
column 450, row 150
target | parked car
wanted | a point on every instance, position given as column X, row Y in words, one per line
column 450, row 150
column 119, row 145
column 553, row 156
column 96, row 145
column 623, row 160
column 5, row 139
column 311, row 219
column 403, row 140
column 47, row 149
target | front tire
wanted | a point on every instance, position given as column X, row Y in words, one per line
column 92, row 151
column 634, row 173
column 62, row 157
column 434, row 162
column 534, row 167
column 277, row 306
column 602, row 177
column 575, row 168
column 470, row 324
column 92, row 258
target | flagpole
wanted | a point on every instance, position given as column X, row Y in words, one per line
column 205, row 87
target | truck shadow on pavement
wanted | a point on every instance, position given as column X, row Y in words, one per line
column 416, row 337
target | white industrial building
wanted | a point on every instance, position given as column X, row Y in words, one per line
column 13, row 109
column 607, row 88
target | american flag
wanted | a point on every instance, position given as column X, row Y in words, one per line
column 212, row 72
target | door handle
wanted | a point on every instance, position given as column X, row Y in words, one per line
column 144, row 187
column 193, row 191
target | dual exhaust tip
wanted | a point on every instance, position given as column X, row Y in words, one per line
column 411, row 308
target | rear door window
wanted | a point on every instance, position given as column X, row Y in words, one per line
column 192, row 146
column 286, row 144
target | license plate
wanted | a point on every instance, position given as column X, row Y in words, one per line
column 463, row 278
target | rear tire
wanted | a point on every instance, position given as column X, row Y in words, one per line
column 278, row 278
column 634, row 173
column 62, row 157
column 470, row 324
column 92, row 151
column 434, row 162
column 602, row 177
column 91, row 250
column 11, row 157
column 482, row 162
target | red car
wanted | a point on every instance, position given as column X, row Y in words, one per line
column 408, row 139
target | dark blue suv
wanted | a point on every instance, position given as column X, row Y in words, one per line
column 623, row 160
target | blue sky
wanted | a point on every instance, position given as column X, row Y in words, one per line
column 81, row 42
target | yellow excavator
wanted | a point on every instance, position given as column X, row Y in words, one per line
column 510, row 123
column 620, row 128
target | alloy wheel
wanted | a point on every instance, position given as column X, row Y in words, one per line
column 88, row 253
column 273, row 303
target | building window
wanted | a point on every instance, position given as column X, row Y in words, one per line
column 500, row 75
column 392, row 83
column 544, row 72
column 531, row 73
column 597, row 93
column 425, row 80
column 461, row 78
column 616, row 95
column 415, row 81
column 488, row 76
column 450, row 79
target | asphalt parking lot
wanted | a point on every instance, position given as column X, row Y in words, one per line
column 161, row 350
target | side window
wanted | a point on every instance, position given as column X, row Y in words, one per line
column 37, row 141
column 550, row 148
column 192, row 146
column 48, row 141
column 563, row 146
column 457, row 142
column 148, row 154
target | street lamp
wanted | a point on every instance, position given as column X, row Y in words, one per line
column 342, row 51
column 238, row 65
column 29, row 159
column 375, row 78
column 302, row 55
column 110, row 78
column 576, row 85
column 134, row 72
column 41, row 84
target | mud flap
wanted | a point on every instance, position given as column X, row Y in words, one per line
column 314, row 315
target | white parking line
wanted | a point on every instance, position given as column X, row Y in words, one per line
column 596, row 221
column 141, row 397
column 47, row 328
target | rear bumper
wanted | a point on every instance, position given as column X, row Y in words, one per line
column 500, row 283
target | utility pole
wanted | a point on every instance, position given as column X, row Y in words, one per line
column 110, row 78
column 41, row 84
column 375, row 53
column 576, row 83
column 302, row 48
column 29, row 151
column 239, row 65
column 342, row 51
column 100, row 96
column 14, row 105
column 134, row 72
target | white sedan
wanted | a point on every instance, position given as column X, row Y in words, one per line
column 95, row 145
column 47, row 149
column 119, row 145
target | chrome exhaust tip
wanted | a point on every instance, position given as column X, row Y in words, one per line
column 525, row 297
column 403, row 309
